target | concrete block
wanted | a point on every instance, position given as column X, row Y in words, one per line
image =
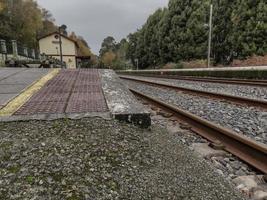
column 121, row 102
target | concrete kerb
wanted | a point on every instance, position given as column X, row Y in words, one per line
column 121, row 102
column 51, row 117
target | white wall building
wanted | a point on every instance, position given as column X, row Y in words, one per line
column 50, row 46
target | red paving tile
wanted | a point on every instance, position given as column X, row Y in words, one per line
column 32, row 108
column 71, row 91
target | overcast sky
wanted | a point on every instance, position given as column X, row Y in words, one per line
column 96, row 19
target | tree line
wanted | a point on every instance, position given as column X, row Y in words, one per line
column 180, row 33
column 113, row 54
column 25, row 21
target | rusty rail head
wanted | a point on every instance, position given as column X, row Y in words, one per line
column 246, row 149
column 237, row 99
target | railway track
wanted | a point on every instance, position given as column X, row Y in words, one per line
column 248, row 82
column 237, row 99
column 248, row 150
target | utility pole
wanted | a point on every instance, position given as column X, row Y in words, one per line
column 210, row 34
column 60, row 46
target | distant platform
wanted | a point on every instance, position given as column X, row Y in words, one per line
column 250, row 72
column 205, row 69
column 52, row 94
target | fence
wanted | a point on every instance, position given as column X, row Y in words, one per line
column 17, row 51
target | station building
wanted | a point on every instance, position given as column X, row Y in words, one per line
column 50, row 46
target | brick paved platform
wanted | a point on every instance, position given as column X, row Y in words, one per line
column 14, row 80
column 71, row 91
column 68, row 93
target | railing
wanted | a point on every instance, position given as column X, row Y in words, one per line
column 17, row 51
column 13, row 53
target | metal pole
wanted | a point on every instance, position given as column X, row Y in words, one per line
column 137, row 61
column 60, row 47
column 210, row 34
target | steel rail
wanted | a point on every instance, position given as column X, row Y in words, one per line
column 256, row 83
column 248, row 150
column 240, row 100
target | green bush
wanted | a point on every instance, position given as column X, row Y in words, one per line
column 179, row 66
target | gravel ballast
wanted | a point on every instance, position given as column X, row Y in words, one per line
column 251, row 92
column 101, row 159
column 248, row 121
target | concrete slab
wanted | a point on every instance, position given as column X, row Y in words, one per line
column 11, row 89
column 6, row 72
column 25, row 77
column 15, row 80
column 121, row 102
column 4, row 98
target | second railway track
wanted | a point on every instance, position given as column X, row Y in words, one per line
column 234, row 81
column 232, row 98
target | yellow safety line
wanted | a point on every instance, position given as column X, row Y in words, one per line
column 22, row 98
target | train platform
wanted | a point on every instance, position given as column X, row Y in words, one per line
column 59, row 141
column 52, row 94
column 247, row 72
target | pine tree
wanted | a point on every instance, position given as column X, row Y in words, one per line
column 188, row 33
column 164, row 40
column 151, row 41
column 250, row 27
column 180, row 32
column 222, row 48
column 108, row 44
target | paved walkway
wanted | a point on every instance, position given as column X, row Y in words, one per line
column 54, row 94
column 14, row 80
column 71, row 91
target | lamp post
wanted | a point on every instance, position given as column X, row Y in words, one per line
column 210, row 34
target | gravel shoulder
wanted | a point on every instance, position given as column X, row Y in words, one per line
column 101, row 159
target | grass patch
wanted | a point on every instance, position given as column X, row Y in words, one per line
column 57, row 176
column 5, row 145
column 14, row 169
column 30, row 179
